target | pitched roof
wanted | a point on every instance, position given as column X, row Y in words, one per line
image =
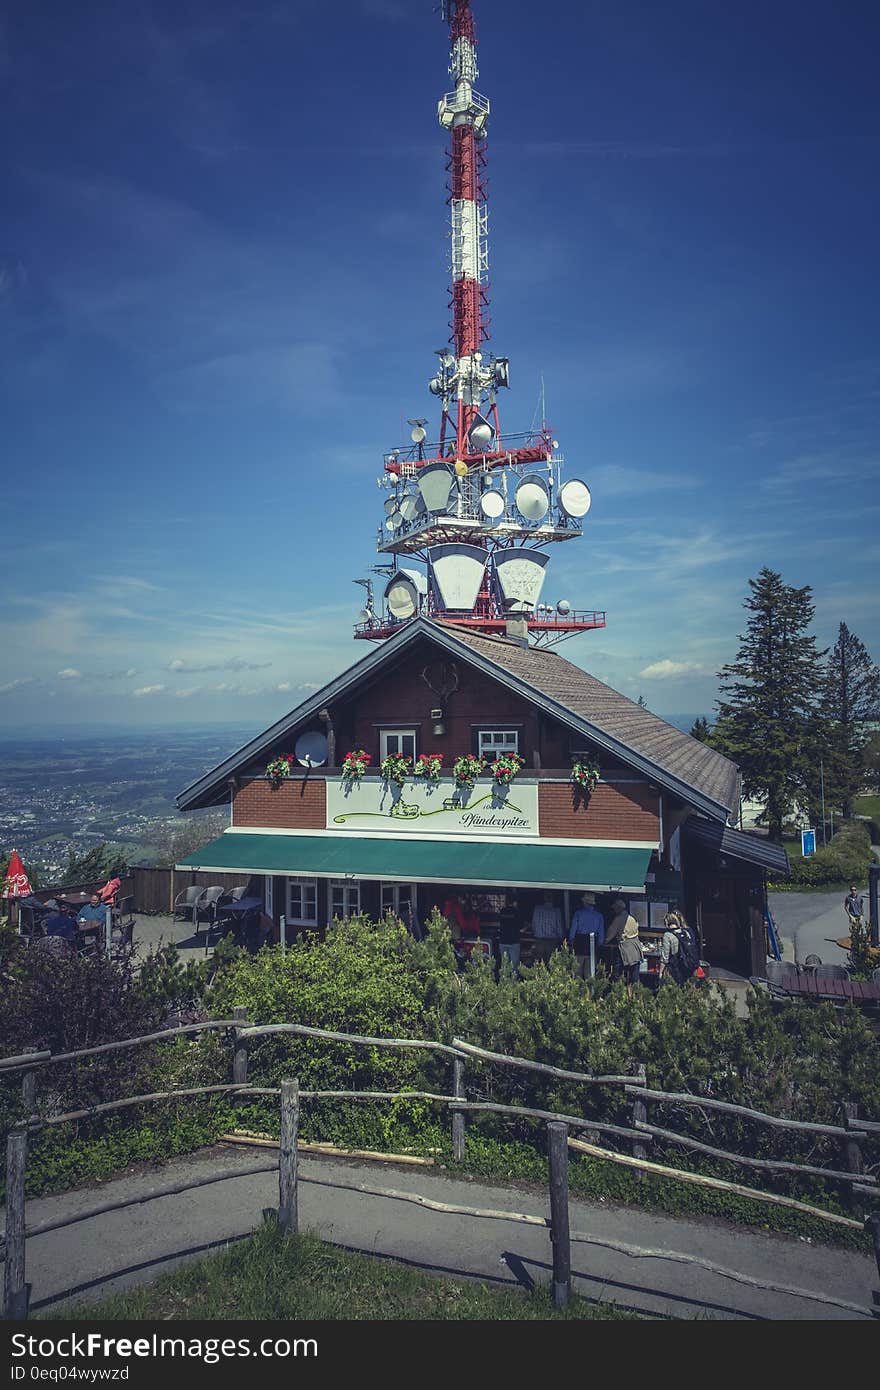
column 670, row 750
column 676, row 761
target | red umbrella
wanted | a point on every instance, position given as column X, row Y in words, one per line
column 17, row 885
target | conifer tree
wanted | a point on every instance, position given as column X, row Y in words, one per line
column 850, row 700
column 766, row 716
column 700, row 729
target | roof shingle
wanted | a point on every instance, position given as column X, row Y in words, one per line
column 685, row 758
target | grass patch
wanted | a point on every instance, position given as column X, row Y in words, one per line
column 868, row 806
column 270, row 1278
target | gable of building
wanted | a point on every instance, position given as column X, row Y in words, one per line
column 555, row 708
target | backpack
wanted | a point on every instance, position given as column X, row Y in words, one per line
column 687, row 959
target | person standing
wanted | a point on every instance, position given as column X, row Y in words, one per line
column 547, row 928
column 587, row 922
column 623, row 951
column 509, row 932
column 853, row 906
column 676, row 947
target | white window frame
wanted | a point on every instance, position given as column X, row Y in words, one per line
column 348, row 886
column 491, row 742
column 386, row 734
column 395, row 890
column 302, row 881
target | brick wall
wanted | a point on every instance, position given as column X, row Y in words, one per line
column 628, row 811
column 298, row 804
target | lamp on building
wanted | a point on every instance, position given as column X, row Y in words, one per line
column 439, row 727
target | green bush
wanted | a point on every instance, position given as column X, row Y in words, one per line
column 844, row 860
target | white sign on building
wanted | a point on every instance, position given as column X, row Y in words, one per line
column 484, row 811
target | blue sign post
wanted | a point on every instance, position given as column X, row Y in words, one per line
column 808, row 843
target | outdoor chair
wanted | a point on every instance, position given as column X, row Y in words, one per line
column 206, row 907
column 123, row 941
column 778, row 971
column 186, row 902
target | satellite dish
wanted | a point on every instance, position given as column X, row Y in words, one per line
column 563, row 607
column 458, row 572
column 409, row 506
column 480, row 435
column 435, row 484
column 574, row 498
column 391, row 524
column 520, row 575
column 492, row 505
column 401, row 596
column 390, row 505
column 418, row 434
column 310, row 749
column 532, row 498
column 364, row 616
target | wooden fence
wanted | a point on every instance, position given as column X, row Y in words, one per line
column 154, row 890
column 851, row 1135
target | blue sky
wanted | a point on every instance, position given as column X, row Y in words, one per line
column 223, row 276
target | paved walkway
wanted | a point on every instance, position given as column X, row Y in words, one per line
column 133, row 1246
column 811, row 924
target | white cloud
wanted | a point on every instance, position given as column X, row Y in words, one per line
column 16, row 684
column 235, row 663
column 148, row 690
column 669, row 670
column 70, row 674
column 283, row 685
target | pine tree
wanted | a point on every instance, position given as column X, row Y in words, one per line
column 642, row 702
column 766, row 723
column 850, row 699
column 700, row 729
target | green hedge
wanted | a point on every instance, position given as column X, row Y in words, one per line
column 846, row 859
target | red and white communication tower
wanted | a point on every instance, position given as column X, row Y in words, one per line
column 476, row 507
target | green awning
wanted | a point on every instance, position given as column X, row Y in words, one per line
column 493, row 864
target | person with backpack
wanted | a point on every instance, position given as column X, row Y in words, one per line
column 679, row 952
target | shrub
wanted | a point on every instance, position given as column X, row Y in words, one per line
column 845, row 859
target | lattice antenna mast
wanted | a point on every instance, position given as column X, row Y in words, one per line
column 466, row 379
column 475, row 509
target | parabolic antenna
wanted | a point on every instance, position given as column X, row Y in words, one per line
column 520, row 576
column 401, row 597
column 458, row 572
column 480, row 435
column 492, row 505
column 563, row 607
column 409, row 507
column 390, row 505
column 532, row 497
column 574, row 498
column 435, row 483
column 390, row 523
column 417, row 434
column 311, row 749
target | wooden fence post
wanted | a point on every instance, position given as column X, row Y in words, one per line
column 640, row 1113
column 458, row 1115
column 872, row 1226
column 29, row 1089
column 557, row 1137
column 852, row 1149
column 288, row 1201
column 240, row 1055
column 16, row 1293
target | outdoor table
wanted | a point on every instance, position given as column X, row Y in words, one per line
column 838, row 991
column 239, row 908
column 73, row 899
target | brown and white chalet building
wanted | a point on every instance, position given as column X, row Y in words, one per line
column 659, row 828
